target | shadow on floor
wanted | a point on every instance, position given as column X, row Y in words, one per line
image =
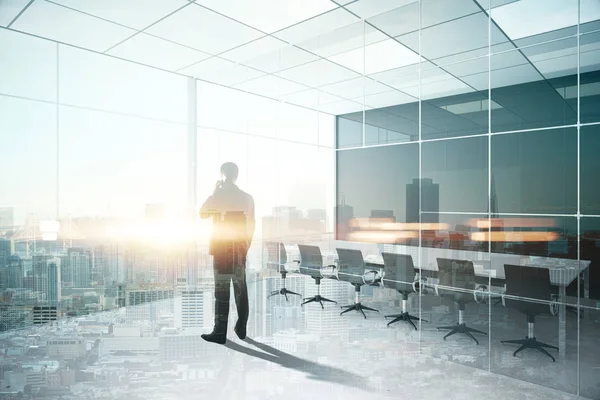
column 314, row 370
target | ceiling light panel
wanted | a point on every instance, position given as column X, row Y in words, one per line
column 64, row 25
column 269, row 15
column 204, row 30
column 137, row 14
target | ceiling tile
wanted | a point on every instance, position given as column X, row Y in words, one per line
column 269, row 15
column 221, row 71
column 369, row 8
column 386, row 99
column 350, row 37
column 271, row 86
column 526, row 18
column 10, row 9
column 205, row 30
column 137, row 14
column 355, row 88
column 254, row 49
column 438, row 88
column 287, row 57
column 341, row 107
column 382, row 56
column 150, row 50
column 311, row 98
column 61, row 24
column 317, row 26
column 318, row 73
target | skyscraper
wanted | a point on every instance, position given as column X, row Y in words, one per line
column 430, row 202
column 79, row 267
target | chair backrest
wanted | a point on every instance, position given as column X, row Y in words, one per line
column 399, row 271
column 276, row 255
column 458, row 274
column 528, row 282
column 311, row 260
column 351, row 266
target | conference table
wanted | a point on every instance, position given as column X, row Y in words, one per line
column 489, row 269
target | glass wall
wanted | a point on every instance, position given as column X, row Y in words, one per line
column 98, row 154
column 491, row 189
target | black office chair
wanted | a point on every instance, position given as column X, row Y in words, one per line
column 458, row 274
column 400, row 275
column 522, row 285
column 311, row 264
column 352, row 269
column 277, row 260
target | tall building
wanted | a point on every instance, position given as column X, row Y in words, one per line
column 6, row 250
column 79, row 268
column 45, row 279
column 429, row 203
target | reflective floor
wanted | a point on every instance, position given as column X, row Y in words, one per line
column 303, row 352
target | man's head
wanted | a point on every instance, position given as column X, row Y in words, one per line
column 230, row 171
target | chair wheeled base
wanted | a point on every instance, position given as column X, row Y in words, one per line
column 317, row 299
column 284, row 292
column 531, row 343
column 404, row 315
column 358, row 307
column 461, row 327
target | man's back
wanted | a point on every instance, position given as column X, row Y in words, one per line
column 232, row 210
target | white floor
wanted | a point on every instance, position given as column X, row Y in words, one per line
column 251, row 370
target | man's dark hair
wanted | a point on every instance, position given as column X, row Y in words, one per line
column 230, row 170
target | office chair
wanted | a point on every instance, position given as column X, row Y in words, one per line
column 311, row 264
column 351, row 269
column 529, row 283
column 277, row 259
column 458, row 274
column 400, row 275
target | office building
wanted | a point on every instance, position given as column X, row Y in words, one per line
column 477, row 118
column 193, row 309
column 66, row 348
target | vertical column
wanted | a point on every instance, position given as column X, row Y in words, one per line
column 192, row 146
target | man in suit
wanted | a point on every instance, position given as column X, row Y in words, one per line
column 232, row 211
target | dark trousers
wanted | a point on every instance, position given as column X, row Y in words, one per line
column 229, row 261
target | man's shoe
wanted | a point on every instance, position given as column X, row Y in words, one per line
column 240, row 332
column 214, row 338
